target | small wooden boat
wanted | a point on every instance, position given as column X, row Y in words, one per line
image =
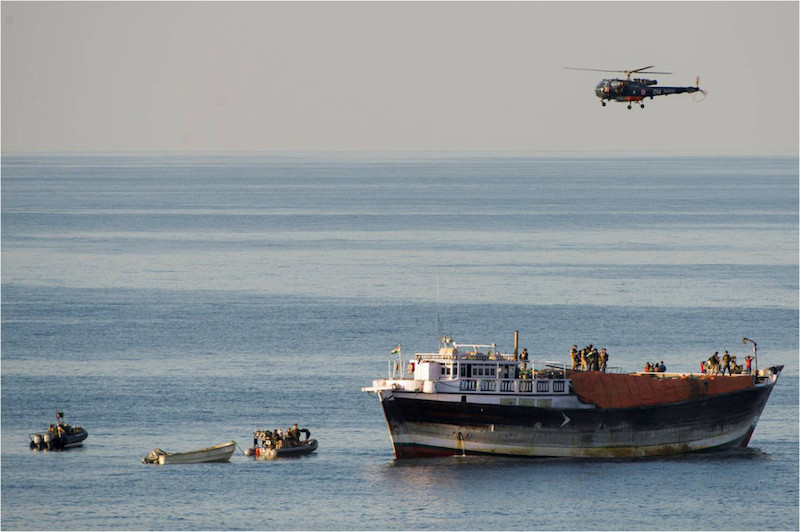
column 59, row 436
column 217, row 453
column 268, row 445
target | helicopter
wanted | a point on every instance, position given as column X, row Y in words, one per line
column 636, row 89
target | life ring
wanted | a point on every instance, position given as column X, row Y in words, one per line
column 411, row 367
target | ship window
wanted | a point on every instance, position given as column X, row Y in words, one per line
column 442, row 370
column 492, row 371
column 479, row 371
column 455, row 370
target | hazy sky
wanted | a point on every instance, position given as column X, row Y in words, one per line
column 473, row 76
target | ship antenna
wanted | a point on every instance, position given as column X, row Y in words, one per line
column 438, row 317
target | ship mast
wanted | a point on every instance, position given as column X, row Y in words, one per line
column 755, row 353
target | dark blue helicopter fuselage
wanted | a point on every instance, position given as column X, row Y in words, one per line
column 635, row 90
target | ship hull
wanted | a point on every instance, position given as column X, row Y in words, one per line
column 452, row 425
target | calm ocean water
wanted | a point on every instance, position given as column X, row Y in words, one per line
column 181, row 301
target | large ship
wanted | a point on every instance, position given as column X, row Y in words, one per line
column 470, row 399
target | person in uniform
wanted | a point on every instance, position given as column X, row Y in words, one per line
column 714, row 361
column 726, row 363
column 603, row 360
column 584, row 361
column 573, row 354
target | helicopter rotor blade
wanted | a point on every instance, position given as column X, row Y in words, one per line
column 593, row 69
column 629, row 72
column 626, row 72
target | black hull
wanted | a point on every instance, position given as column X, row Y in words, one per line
column 300, row 450
column 62, row 442
column 424, row 427
column 306, row 448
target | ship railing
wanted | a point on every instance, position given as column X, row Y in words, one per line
column 523, row 386
column 463, row 356
column 468, row 385
column 397, row 368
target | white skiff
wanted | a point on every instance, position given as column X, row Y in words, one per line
column 217, row 453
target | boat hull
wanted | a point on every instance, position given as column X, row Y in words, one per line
column 444, row 426
column 260, row 453
column 45, row 440
column 217, row 453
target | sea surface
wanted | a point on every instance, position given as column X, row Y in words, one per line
column 179, row 301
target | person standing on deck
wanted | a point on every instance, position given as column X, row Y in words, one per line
column 714, row 361
column 593, row 365
column 573, row 355
column 726, row 363
column 748, row 364
column 603, row 360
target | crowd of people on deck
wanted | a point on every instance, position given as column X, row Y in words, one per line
column 589, row 358
column 279, row 439
column 655, row 367
column 716, row 366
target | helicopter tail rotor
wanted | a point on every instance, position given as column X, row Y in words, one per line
column 701, row 91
